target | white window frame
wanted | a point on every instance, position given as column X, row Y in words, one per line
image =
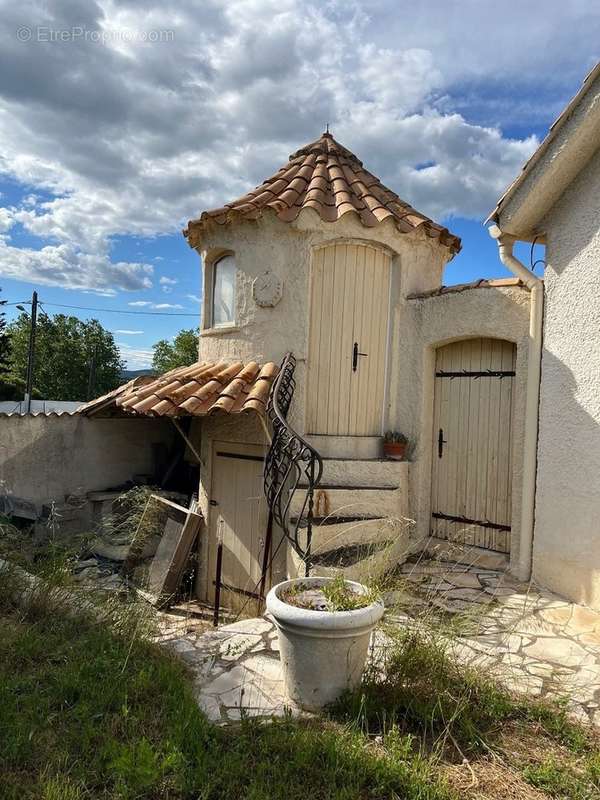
column 209, row 306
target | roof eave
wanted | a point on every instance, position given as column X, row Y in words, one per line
column 570, row 143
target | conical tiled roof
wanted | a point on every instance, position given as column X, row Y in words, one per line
column 330, row 179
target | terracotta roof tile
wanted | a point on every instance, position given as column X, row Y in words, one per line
column 328, row 178
column 200, row 389
column 482, row 283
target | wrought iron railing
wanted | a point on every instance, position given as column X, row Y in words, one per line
column 291, row 465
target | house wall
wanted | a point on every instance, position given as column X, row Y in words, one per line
column 44, row 458
column 417, row 327
column 566, row 547
column 266, row 334
column 501, row 313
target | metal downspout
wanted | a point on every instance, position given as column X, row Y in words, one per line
column 534, row 360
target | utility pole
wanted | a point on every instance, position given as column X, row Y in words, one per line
column 92, row 374
column 31, row 353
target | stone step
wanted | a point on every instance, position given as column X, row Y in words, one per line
column 351, row 501
column 355, row 447
column 334, row 535
column 364, row 562
column 444, row 550
column 364, row 472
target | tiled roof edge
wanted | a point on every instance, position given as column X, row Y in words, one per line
column 482, row 283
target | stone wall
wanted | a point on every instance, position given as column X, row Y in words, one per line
column 45, row 458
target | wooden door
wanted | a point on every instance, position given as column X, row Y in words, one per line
column 349, row 307
column 238, row 516
column 472, row 443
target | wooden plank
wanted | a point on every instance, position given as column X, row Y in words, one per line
column 314, row 338
column 172, row 555
column 340, row 254
column 325, row 390
column 347, row 341
column 359, row 313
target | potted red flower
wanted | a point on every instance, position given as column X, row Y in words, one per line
column 394, row 445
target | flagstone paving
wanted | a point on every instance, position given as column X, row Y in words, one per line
column 532, row 640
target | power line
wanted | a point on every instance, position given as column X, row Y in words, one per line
column 112, row 310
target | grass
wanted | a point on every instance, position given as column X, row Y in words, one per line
column 90, row 711
column 93, row 711
column 455, row 713
column 334, row 595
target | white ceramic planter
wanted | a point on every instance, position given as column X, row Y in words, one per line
column 323, row 653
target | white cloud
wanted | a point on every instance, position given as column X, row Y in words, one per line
column 65, row 265
column 129, row 333
column 194, row 298
column 134, row 357
column 111, row 133
column 167, row 284
column 154, row 306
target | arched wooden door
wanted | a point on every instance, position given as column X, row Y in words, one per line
column 349, row 308
column 471, row 494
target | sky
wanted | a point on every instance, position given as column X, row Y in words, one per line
column 119, row 121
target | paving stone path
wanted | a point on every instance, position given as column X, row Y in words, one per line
column 531, row 640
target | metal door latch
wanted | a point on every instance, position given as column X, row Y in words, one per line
column 441, row 443
column 355, row 355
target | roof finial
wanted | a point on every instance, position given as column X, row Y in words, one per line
column 327, row 130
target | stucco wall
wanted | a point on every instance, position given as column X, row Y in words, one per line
column 45, row 458
column 501, row 313
column 566, row 554
column 417, row 327
column 286, row 249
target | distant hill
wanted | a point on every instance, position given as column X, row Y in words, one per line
column 128, row 374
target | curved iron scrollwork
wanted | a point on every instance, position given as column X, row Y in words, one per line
column 291, row 465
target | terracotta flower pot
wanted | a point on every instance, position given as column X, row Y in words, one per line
column 394, row 450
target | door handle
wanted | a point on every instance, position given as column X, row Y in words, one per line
column 441, row 443
column 355, row 355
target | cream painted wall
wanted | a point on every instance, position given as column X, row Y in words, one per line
column 285, row 248
column 566, row 555
column 497, row 312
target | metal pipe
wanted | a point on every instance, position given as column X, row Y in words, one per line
column 532, row 402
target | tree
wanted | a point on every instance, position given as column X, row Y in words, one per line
column 74, row 359
column 4, row 342
column 8, row 390
column 181, row 352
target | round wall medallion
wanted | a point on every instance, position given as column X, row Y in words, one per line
column 267, row 289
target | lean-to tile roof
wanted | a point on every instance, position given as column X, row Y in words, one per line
column 328, row 178
column 203, row 388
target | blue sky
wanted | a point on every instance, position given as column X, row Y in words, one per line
column 117, row 127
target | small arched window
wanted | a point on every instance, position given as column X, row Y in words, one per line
column 223, row 294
